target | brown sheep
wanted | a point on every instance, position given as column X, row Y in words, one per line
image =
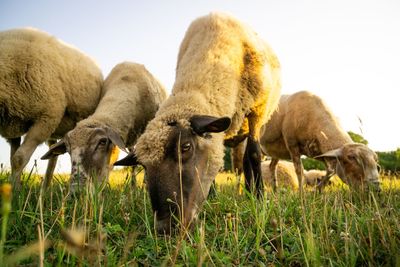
column 304, row 125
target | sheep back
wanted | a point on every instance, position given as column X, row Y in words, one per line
column 132, row 96
column 223, row 69
column 42, row 76
column 302, row 118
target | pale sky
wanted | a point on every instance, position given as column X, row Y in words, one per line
column 345, row 51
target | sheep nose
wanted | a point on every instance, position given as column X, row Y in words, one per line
column 77, row 176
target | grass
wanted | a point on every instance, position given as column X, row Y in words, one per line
column 112, row 225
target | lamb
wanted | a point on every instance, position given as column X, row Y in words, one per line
column 313, row 177
column 304, row 125
column 227, row 79
column 285, row 174
column 131, row 98
column 46, row 87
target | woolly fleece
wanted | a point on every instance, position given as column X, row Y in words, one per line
column 43, row 78
column 285, row 174
column 223, row 69
column 132, row 96
column 302, row 118
column 46, row 87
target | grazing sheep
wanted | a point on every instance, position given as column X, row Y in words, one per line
column 313, row 177
column 227, row 79
column 303, row 125
column 285, row 174
column 131, row 98
column 46, row 87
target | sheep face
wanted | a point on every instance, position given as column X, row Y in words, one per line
column 179, row 181
column 90, row 150
column 356, row 165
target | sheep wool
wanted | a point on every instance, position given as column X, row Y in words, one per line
column 304, row 125
column 46, row 87
column 224, row 69
column 285, row 175
column 131, row 98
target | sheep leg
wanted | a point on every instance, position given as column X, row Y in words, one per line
column 51, row 165
column 14, row 144
column 37, row 134
column 248, row 174
column 298, row 166
column 252, row 166
column 330, row 171
column 272, row 169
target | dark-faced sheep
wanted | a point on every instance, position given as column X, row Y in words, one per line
column 304, row 125
column 227, row 83
column 46, row 87
column 131, row 98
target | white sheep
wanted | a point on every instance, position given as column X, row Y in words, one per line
column 313, row 177
column 46, row 87
column 131, row 98
column 227, row 79
column 304, row 125
column 285, row 174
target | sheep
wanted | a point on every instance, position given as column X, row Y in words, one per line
column 313, row 177
column 46, row 87
column 131, row 98
column 227, row 84
column 285, row 174
column 304, row 125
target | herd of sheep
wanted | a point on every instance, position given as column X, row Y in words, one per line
column 226, row 93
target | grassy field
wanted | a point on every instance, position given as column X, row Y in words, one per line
column 112, row 225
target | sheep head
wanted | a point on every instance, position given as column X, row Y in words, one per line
column 356, row 164
column 91, row 150
column 179, row 181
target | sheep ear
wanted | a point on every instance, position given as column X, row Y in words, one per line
column 335, row 153
column 129, row 160
column 58, row 148
column 208, row 124
column 115, row 139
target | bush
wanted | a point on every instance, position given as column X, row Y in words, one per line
column 312, row 164
column 389, row 161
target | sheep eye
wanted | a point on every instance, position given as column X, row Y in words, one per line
column 102, row 142
column 186, row 147
column 352, row 157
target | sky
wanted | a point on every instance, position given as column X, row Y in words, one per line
column 347, row 52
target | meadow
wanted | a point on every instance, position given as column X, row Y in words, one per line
column 112, row 225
